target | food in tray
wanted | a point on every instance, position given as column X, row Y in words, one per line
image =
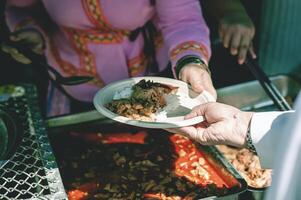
column 141, row 101
column 248, row 165
column 165, row 167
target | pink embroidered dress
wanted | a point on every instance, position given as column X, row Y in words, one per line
column 91, row 37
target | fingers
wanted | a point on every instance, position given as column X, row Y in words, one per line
column 199, row 84
column 235, row 43
column 197, row 111
column 198, row 133
column 238, row 38
column 31, row 38
column 252, row 52
column 188, row 131
column 196, row 84
column 201, row 81
column 243, row 49
column 211, row 90
column 198, row 78
column 15, row 54
column 227, row 38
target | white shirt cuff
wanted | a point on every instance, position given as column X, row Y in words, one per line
column 266, row 128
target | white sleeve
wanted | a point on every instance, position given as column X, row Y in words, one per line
column 286, row 182
column 266, row 130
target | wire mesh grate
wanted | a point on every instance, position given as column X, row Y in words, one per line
column 31, row 173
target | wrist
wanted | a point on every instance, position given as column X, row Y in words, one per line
column 241, row 127
column 193, row 60
column 228, row 7
column 248, row 143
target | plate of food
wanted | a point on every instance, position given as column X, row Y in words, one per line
column 150, row 102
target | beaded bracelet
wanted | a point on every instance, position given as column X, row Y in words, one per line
column 249, row 142
column 188, row 60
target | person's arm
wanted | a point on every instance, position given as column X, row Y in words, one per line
column 220, row 8
column 186, row 34
column 228, row 125
column 236, row 29
column 184, row 29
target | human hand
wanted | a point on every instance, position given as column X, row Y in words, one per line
column 223, row 124
column 30, row 38
column 198, row 78
column 236, row 31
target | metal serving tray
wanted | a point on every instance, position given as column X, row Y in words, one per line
column 226, row 169
column 214, row 157
column 251, row 96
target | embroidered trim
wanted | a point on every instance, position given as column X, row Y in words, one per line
column 103, row 34
column 189, row 46
column 137, row 65
column 69, row 68
column 95, row 14
column 95, row 36
column 159, row 41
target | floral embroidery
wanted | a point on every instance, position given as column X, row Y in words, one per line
column 189, row 46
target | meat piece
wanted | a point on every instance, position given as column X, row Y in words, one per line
column 248, row 165
column 146, row 99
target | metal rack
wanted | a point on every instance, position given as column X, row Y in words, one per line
column 32, row 172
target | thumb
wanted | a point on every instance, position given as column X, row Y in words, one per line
column 197, row 85
column 199, row 110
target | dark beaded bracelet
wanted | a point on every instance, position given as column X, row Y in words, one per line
column 249, row 142
column 188, row 60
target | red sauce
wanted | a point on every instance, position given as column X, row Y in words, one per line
column 82, row 192
column 137, row 138
column 193, row 165
column 77, row 195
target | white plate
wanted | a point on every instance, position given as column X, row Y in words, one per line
column 172, row 115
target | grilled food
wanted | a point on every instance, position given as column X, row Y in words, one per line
column 146, row 99
column 248, row 165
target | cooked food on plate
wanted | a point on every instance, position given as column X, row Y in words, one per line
column 141, row 101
